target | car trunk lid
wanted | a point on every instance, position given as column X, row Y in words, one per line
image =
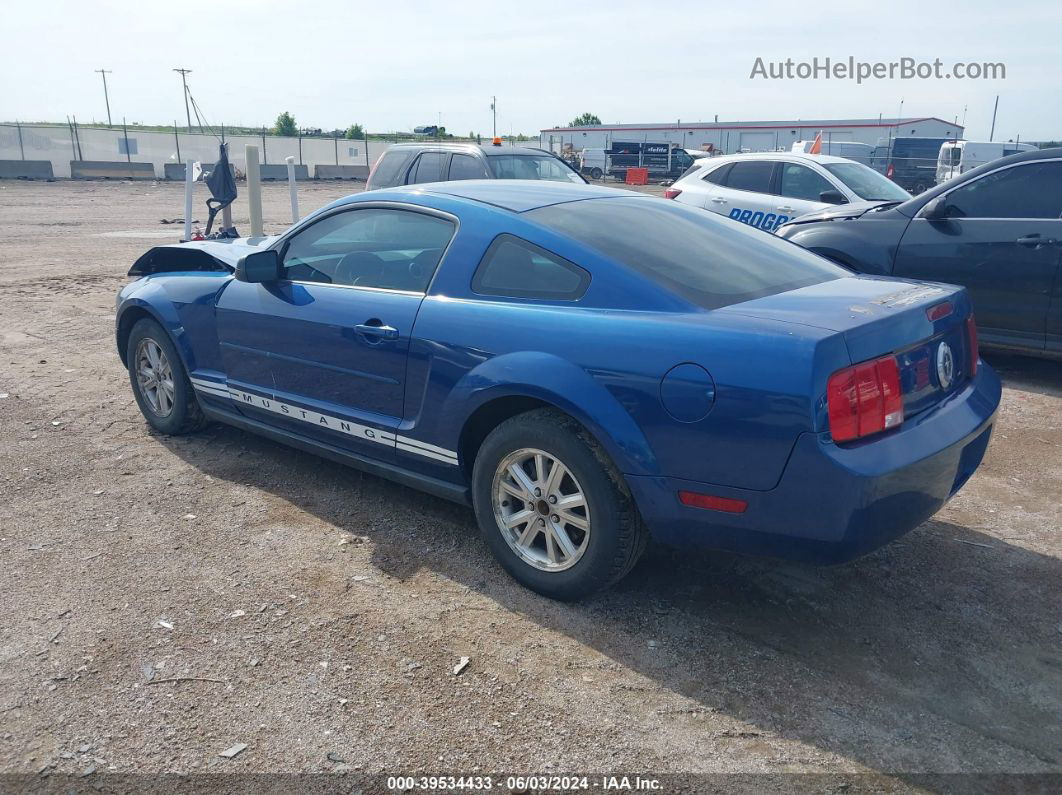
column 923, row 325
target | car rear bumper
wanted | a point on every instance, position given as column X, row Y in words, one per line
column 837, row 502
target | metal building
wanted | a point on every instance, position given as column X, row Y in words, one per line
column 748, row 136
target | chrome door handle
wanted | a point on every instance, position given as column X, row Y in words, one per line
column 1035, row 241
column 784, row 209
column 717, row 200
column 377, row 330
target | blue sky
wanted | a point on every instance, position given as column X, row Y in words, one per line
column 395, row 65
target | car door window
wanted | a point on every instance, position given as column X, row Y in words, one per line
column 800, row 182
column 514, row 268
column 1031, row 190
column 382, row 248
column 751, row 175
column 467, row 167
column 430, row 167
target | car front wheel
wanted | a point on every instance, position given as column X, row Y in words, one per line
column 160, row 383
column 553, row 509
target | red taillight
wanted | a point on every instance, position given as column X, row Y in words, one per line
column 864, row 399
column 890, row 171
column 672, row 193
column 938, row 311
column 711, row 503
column 971, row 344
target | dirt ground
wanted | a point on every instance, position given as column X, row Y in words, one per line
column 321, row 611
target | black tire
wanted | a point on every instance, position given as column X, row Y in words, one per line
column 184, row 415
column 596, row 173
column 617, row 535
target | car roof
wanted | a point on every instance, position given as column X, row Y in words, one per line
column 517, row 195
column 488, row 149
column 915, row 203
column 793, row 156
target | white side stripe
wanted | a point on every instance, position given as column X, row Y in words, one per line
column 404, row 443
column 427, row 453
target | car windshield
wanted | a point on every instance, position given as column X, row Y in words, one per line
column 531, row 167
column 708, row 260
column 866, row 183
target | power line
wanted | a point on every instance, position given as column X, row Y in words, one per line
column 107, row 99
column 184, row 82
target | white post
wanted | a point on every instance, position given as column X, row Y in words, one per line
column 254, row 190
column 292, row 189
column 189, row 185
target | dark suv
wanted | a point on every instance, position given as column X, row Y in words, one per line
column 996, row 230
column 409, row 164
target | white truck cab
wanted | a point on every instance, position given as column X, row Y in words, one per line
column 958, row 157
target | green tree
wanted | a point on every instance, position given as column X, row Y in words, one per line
column 285, row 125
column 355, row 131
column 586, row 120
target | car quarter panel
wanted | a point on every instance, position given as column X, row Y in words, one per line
column 605, row 368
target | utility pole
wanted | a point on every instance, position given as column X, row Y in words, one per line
column 106, row 99
column 992, row 134
column 494, row 111
column 184, row 82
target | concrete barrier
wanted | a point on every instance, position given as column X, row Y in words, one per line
column 280, row 172
column 321, row 171
column 26, row 169
column 107, row 169
column 175, row 171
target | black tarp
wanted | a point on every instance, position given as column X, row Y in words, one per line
column 222, row 186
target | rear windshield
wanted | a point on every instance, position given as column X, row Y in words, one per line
column 391, row 168
column 709, row 260
column 531, row 167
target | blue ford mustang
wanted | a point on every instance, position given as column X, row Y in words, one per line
column 584, row 366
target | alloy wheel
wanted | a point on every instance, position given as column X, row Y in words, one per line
column 541, row 510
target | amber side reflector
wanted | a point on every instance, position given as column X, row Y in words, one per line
column 712, row 503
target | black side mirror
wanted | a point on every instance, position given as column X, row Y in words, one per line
column 935, row 209
column 258, row 267
column 832, row 197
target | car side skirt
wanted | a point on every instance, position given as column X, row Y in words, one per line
column 438, row 488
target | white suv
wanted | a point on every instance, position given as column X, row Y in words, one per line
column 767, row 189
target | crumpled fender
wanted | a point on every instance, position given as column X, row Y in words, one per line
column 165, row 299
column 559, row 382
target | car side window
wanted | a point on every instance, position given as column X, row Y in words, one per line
column 382, row 248
column 467, row 167
column 515, row 268
column 751, row 175
column 430, row 167
column 717, row 176
column 1030, row 190
column 801, row 182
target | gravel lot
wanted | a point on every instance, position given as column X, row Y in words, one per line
column 323, row 611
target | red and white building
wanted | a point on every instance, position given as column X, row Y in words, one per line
column 729, row 137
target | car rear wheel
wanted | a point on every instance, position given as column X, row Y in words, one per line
column 553, row 509
column 160, row 383
column 596, row 173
